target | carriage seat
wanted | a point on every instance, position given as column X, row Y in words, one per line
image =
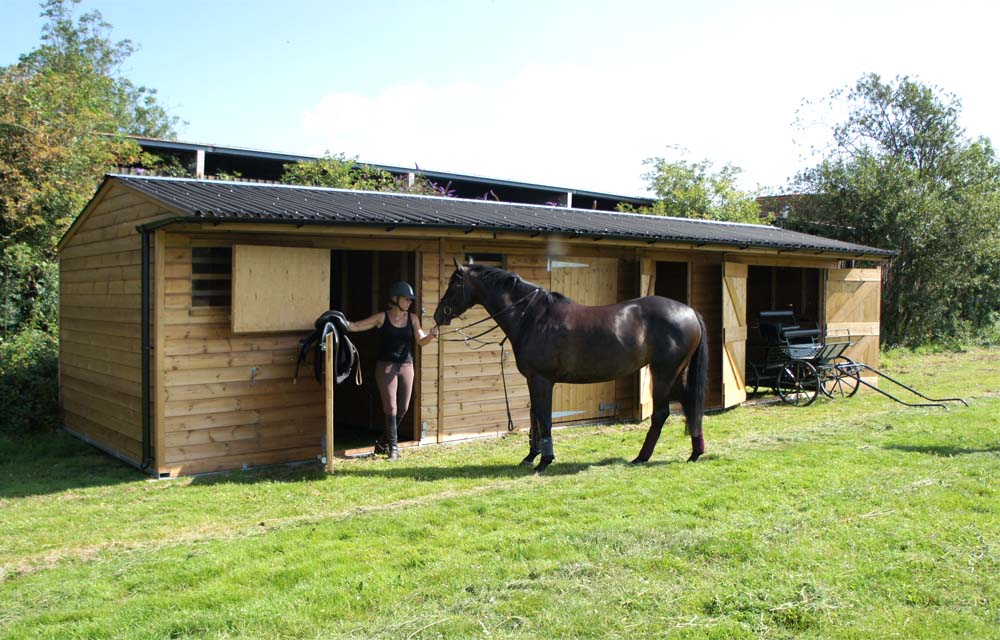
column 773, row 324
column 800, row 336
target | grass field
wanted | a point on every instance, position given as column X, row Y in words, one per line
column 851, row 519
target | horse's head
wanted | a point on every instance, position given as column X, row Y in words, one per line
column 457, row 297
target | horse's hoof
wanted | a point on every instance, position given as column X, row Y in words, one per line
column 546, row 461
column 528, row 460
column 640, row 460
column 695, row 455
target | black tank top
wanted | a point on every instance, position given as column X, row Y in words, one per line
column 395, row 342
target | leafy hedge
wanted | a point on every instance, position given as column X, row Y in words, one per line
column 29, row 382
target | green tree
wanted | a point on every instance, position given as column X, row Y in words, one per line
column 695, row 190
column 64, row 109
column 902, row 174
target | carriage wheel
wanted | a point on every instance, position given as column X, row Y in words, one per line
column 752, row 381
column 841, row 380
column 798, row 383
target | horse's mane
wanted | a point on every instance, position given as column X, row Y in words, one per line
column 499, row 278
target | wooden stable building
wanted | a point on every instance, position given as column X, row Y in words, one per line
column 183, row 303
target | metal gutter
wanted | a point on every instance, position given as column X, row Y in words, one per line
column 147, row 446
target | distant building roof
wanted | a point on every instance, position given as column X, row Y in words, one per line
column 269, row 165
column 220, row 201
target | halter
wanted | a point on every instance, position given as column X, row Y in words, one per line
column 530, row 298
column 467, row 338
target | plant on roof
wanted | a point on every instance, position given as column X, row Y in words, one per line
column 337, row 171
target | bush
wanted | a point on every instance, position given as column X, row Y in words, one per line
column 29, row 382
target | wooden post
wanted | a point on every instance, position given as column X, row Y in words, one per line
column 330, row 378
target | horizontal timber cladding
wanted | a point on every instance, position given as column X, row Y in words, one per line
column 100, row 346
column 229, row 399
column 468, row 399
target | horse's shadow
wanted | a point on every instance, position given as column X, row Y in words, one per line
column 941, row 450
column 417, row 473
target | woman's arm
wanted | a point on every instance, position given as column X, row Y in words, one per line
column 422, row 337
column 370, row 322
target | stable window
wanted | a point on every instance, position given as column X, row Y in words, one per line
column 485, row 259
column 211, row 276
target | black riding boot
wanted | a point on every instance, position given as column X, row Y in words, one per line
column 392, row 437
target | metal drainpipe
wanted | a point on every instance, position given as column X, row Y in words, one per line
column 147, row 457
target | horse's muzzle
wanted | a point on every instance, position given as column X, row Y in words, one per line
column 443, row 317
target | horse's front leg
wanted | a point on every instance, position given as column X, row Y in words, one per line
column 541, row 413
column 532, row 443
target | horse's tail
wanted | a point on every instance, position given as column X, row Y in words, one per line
column 695, row 384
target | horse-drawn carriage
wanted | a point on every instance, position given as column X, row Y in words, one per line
column 799, row 363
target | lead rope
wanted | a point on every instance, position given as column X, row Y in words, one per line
column 466, row 339
column 503, row 376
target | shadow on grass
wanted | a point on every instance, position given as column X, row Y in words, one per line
column 54, row 462
column 46, row 463
column 402, row 470
column 942, row 450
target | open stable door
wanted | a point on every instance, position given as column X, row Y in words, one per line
column 647, row 287
column 734, row 333
column 590, row 281
column 852, row 305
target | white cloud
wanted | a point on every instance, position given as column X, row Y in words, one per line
column 562, row 125
column 729, row 93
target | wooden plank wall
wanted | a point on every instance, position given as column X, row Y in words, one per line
column 219, row 415
column 100, row 342
column 230, row 399
column 471, row 389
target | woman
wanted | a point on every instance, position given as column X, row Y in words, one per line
column 398, row 329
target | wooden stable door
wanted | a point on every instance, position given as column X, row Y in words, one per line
column 590, row 281
column 851, row 308
column 734, row 333
column 647, row 287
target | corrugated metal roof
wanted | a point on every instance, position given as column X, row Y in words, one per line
column 213, row 200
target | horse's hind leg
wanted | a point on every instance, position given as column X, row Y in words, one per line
column 662, row 384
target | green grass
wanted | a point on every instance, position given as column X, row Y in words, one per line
column 851, row 519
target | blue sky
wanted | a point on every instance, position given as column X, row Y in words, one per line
column 573, row 94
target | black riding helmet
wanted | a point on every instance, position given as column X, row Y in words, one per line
column 401, row 290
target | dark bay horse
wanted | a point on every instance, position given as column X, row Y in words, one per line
column 556, row 340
